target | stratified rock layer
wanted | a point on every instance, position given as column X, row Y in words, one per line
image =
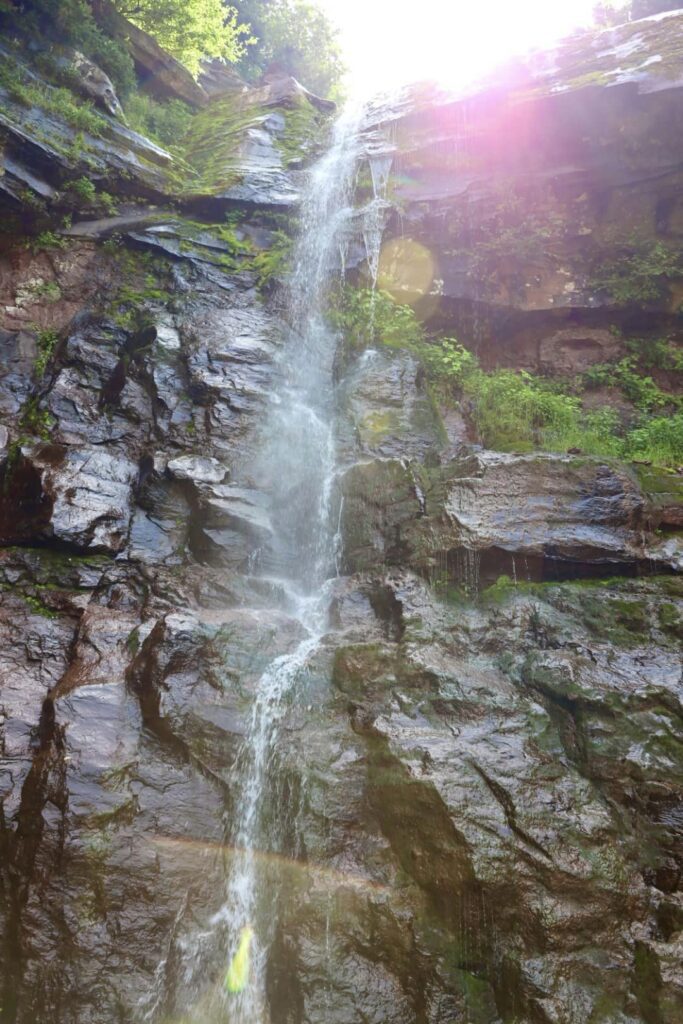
column 481, row 792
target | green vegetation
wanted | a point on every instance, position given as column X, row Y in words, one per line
column 298, row 36
column 368, row 318
column 36, row 420
column 84, row 189
column 658, row 440
column 190, row 29
column 164, row 123
column 48, row 291
column 518, row 411
column 638, row 388
column 82, row 193
column 303, row 124
column 38, row 607
column 71, row 22
column 271, row 264
column 55, row 100
column 47, row 342
column 141, row 279
column 640, row 272
column 46, row 241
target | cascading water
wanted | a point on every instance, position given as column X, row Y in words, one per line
column 295, row 467
column 375, row 213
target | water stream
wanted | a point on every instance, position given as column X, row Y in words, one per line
column 295, row 467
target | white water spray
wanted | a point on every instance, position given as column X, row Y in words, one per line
column 296, row 468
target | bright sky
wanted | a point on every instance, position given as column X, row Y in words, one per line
column 392, row 42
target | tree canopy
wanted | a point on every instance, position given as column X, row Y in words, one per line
column 296, row 34
column 190, row 29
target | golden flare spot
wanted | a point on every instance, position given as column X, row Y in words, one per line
column 238, row 971
column 406, row 270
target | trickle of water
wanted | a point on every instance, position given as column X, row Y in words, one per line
column 374, row 219
column 296, row 468
column 380, row 170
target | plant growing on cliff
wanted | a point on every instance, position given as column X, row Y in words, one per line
column 271, row 263
column 72, row 22
column 60, row 101
column 165, row 123
column 36, row 420
column 657, row 353
column 47, row 342
column 46, row 241
column 190, row 29
column 369, row 318
column 658, row 440
column 638, row 388
column 640, row 273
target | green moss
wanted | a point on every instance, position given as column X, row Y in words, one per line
column 303, row 125
column 47, row 342
column 271, row 264
column 61, row 102
column 38, row 607
column 670, row 620
column 36, row 419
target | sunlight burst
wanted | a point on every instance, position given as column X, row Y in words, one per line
column 386, row 44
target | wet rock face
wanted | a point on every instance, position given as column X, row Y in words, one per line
column 95, row 84
column 537, row 199
column 496, row 813
column 547, row 510
column 480, row 792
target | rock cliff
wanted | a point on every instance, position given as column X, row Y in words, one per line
column 489, row 775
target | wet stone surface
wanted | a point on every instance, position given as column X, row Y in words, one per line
column 480, row 782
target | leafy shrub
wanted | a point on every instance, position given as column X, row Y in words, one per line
column 164, row 123
column 107, row 202
column 640, row 275
column 47, row 240
column 368, row 318
column 514, row 410
column 658, row 440
column 637, row 387
column 72, row 22
column 84, row 190
column 658, row 353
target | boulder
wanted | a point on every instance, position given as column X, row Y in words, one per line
column 94, row 84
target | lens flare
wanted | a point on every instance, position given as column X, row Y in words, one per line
column 238, row 972
column 406, row 270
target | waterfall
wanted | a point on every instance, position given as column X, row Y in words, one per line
column 376, row 211
column 295, row 467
